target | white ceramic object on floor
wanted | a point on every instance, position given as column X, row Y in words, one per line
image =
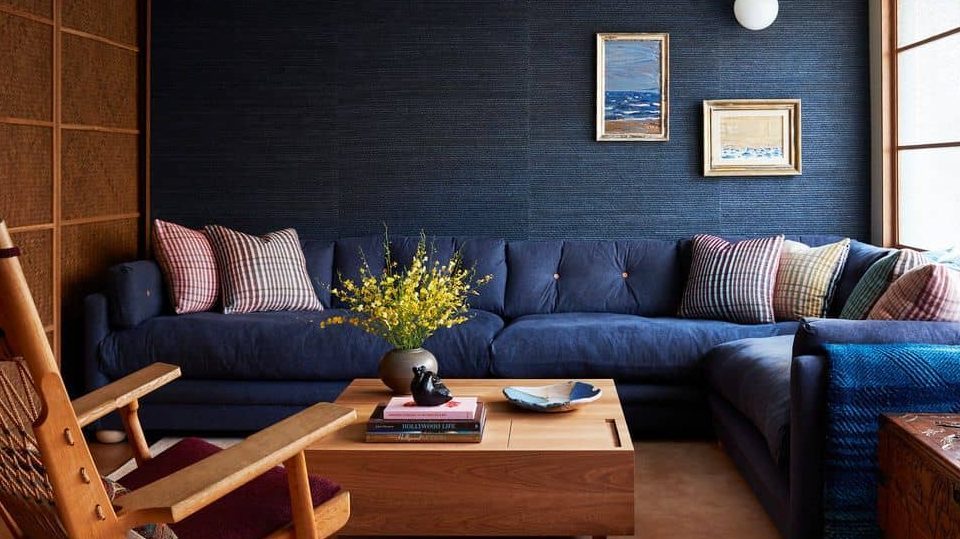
column 562, row 397
column 110, row 436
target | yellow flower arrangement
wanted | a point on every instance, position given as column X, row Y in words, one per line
column 406, row 306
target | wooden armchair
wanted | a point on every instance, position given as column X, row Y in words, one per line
column 49, row 486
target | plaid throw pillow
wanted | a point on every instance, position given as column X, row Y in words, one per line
column 930, row 292
column 189, row 266
column 732, row 281
column 265, row 273
column 806, row 279
column 876, row 280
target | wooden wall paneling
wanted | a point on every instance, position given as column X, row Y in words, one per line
column 26, row 58
column 100, row 84
column 88, row 250
column 71, row 148
column 37, row 259
column 57, row 148
column 26, row 174
column 99, row 174
column 116, row 20
column 40, row 8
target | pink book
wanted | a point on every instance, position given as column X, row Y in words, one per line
column 405, row 408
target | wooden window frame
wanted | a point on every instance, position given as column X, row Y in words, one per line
column 886, row 147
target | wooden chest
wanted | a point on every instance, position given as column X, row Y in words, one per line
column 919, row 457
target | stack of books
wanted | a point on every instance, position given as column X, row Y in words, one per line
column 401, row 420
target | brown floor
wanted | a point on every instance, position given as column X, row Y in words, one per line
column 684, row 490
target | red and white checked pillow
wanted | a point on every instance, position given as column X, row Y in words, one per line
column 732, row 281
column 188, row 264
column 930, row 292
column 262, row 273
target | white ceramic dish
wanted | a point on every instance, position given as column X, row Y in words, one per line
column 562, row 397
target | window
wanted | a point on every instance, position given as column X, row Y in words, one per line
column 925, row 157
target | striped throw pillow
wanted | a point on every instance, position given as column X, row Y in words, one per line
column 806, row 279
column 930, row 292
column 262, row 273
column 732, row 281
column 189, row 266
column 877, row 279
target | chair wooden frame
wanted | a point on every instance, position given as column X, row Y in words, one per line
column 82, row 504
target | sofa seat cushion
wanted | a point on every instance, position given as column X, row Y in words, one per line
column 753, row 375
column 284, row 346
column 625, row 347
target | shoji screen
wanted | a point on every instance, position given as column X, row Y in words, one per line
column 72, row 158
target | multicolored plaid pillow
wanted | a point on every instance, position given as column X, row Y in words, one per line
column 265, row 273
column 189, row 266
column 930, row 292
column 732, row 281
column 877, row 279
column 806, row 279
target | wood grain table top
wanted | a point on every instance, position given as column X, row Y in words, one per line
column 598, row 426
column 937, row 433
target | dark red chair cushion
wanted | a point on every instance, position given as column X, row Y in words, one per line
column 253, row 511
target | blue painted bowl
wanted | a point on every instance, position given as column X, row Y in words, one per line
column 562, row 397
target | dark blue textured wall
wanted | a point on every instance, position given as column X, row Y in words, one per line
column 477, row 117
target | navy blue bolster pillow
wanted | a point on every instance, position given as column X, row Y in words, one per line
column 135, row 292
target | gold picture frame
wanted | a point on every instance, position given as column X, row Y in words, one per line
column 752, row 137
column 633, row 87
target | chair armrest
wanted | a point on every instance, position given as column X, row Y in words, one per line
column 179, row 495
column 122, row 392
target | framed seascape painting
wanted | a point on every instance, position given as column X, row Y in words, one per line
column 751, row 137
column 633, row 98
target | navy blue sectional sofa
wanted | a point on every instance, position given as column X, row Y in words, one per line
column 554, row 309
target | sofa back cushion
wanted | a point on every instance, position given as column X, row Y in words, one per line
column 319, row 258
column 639, row 277
column 487, row 255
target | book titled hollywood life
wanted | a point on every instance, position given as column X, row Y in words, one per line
column 377, row 423
column 424, row 437
column 404, row 408
column 423, row 434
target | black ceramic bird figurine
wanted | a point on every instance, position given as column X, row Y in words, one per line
column 428, row 389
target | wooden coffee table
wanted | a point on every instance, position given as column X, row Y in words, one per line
column 533, row 473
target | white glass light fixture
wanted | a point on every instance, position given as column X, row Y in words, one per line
column 756, row 14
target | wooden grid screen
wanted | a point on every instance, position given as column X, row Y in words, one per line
column 73, row 160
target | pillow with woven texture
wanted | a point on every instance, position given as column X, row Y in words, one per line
column 732, row 281
column 189, row 266
column 930, row 293
column 806, row 279
column 262, row 273
column 877, row 279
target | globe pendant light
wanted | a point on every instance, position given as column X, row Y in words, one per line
column 756, row 14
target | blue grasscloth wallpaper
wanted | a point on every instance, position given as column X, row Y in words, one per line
column 476, row 117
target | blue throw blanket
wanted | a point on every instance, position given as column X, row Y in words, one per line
column 866, row 380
